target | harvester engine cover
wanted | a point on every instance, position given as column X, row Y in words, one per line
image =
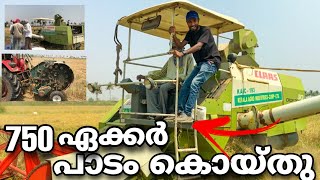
column 51, row 76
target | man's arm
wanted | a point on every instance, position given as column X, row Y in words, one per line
column 25, row 29
column 194, row 48
column 156, row 75
column 179, row 44
column 11, row 30
column 159, row 74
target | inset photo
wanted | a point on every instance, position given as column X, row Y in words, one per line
column 44, row 27
column 28, row 77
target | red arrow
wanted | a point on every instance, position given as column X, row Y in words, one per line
column 208, row 127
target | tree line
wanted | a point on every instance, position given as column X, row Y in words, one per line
column 311, row 93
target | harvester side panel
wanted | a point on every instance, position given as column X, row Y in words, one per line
column 252, row 87
column 61, row 35
column 217, row 106
column 111, row 116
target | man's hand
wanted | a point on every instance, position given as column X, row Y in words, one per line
column 180, row 80
column 172, row 29
column 139, row 77
column 176, row 53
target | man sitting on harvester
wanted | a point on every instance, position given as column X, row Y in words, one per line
column 157, row 99
column 206, row 54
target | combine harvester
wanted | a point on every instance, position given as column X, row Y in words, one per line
column 57, row 32
column 251, row 96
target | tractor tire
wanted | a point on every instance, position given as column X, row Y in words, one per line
column 11, row 86
column 58, row 96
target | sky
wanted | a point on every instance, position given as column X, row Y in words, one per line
column 287, row 32
column 28, row 12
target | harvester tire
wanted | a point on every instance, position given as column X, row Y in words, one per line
column 11, row 86
column 58, row 96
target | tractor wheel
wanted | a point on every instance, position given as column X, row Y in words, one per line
column 58, row 96
column 11, row 86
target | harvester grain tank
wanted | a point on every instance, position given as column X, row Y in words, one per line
column 61, row 33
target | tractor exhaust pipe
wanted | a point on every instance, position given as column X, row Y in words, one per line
column 299, row 109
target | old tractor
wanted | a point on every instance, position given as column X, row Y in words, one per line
column 251, row 96
column 47, row 80
column 59, row 33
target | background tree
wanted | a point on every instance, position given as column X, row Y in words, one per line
column 311, row 93
column 110, row 87
column 97, row 98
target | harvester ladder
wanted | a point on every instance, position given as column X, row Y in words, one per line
column 176, row 137
column 176, row 123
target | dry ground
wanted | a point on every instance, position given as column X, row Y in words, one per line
column 77, row 90
column 66, row 116
column 63, row 117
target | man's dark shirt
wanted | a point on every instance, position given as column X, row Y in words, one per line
column 209, row 50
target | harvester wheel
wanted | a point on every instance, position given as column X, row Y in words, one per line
column 58, row 96
column 11, row 86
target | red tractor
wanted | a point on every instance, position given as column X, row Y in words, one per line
column 15, row 69
column 47, row 80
